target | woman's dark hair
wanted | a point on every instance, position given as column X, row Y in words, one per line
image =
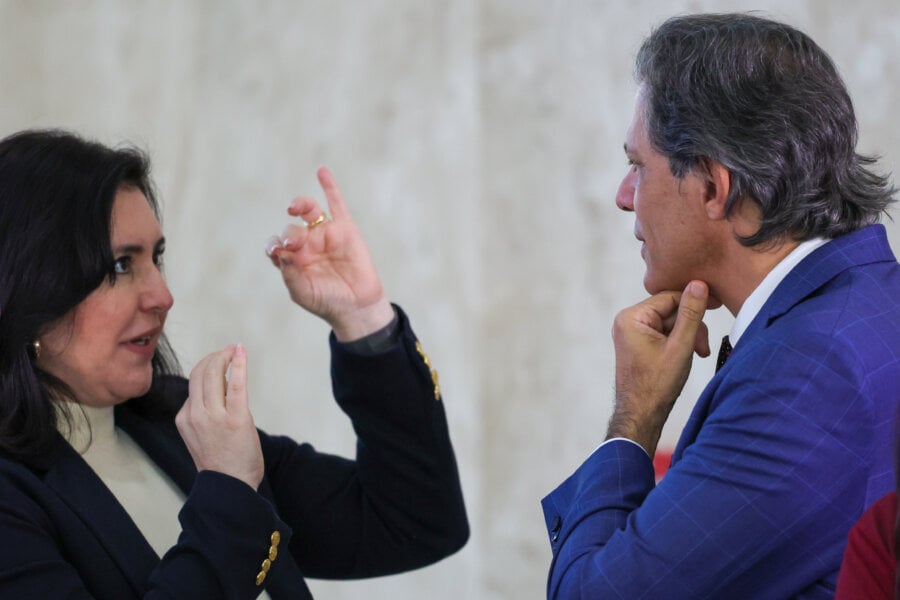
column 764, row 100
column 56, row 197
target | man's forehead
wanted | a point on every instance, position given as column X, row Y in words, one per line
column 634, row 135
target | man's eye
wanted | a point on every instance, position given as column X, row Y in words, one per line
column 122, row 265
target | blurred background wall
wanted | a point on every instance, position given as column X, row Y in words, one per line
column 479, row 145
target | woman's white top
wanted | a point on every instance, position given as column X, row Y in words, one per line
column 149, row 496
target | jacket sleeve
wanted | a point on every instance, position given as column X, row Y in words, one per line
column 228, row 545
column 759, row 505
column 399, row 505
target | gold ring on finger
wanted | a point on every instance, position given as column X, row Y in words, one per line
column 319, row 220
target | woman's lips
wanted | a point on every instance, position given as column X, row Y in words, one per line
column 144, row 345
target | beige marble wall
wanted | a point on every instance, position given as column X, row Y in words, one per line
column 479, row 145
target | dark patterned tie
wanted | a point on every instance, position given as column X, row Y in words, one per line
column 724, row 353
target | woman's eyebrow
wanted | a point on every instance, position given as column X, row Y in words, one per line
column 138, row 248
column 128, row 249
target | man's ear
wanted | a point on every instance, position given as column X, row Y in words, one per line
column 718, row 186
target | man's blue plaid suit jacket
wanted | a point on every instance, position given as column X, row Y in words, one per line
column 785, row 448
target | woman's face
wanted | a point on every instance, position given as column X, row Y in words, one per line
column 103, row 348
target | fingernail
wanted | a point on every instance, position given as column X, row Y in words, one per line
column 272, row 243
column 695, row 289
column 239, row 349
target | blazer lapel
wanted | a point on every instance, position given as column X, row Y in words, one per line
column 86, row 495
column 160, row 440
column 865, row 246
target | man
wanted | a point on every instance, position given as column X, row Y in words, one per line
column 747, row 192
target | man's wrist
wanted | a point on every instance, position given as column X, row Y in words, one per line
column 643, row 431
column 610, row 440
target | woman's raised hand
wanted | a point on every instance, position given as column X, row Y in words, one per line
column 327, row 267
column 215, row 421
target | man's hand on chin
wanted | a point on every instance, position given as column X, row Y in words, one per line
column 655, row 341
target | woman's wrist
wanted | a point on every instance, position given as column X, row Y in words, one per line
column 377, row 342
column 363, row 322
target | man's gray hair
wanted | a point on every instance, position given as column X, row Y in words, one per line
column 767, row 102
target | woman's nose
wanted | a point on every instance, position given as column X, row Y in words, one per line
column 157, row 296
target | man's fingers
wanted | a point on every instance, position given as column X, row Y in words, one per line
column 691, row 309
column 701, row 341
column 335, row 199
column 657, row 311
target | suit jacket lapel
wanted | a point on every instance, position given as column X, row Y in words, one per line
column 86, row 495
column 865, row 246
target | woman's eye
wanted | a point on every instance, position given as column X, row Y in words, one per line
column 122, row 265
column 158, row 259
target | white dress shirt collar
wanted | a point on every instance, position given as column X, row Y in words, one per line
column 758, row 297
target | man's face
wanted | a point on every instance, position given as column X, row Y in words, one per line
column 670, row 215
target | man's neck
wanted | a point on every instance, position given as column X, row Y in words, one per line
column 757, row 299
column 744, row 269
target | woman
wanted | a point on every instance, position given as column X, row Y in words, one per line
column 120, row 479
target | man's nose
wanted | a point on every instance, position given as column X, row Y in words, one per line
column 625, row 194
